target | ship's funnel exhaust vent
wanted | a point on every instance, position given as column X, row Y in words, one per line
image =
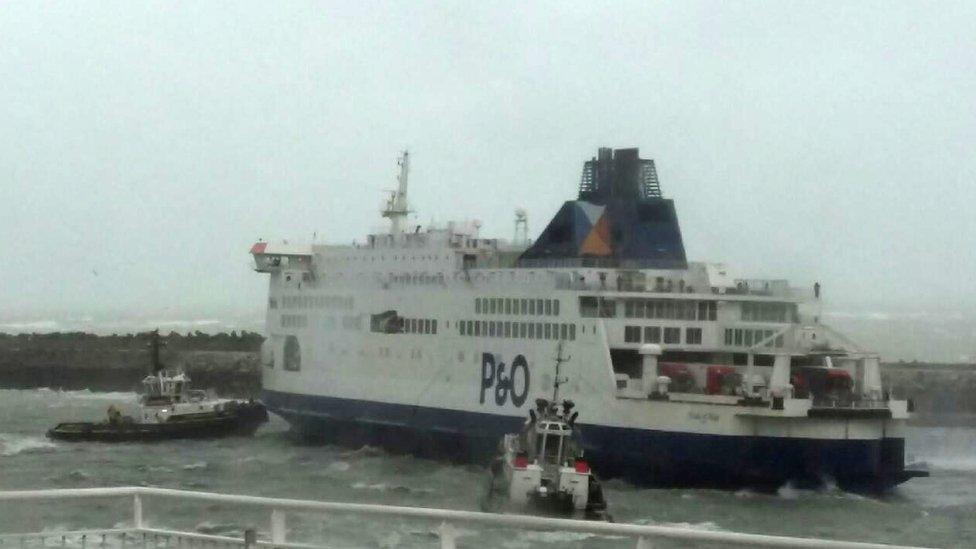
column 619, row 174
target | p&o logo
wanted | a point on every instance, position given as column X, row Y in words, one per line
column 513, row 384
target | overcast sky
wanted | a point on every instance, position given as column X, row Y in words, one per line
column 145, row 146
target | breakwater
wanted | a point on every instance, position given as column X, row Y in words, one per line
column 226, row 362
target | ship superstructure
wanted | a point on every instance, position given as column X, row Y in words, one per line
column 436, row 340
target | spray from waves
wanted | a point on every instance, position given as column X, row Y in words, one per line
column 13, row 444
column 88, row 394
column 950, row 463
column 707, row 526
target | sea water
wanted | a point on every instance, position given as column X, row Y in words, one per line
column 938, row 511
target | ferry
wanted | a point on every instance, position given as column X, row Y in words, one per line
column 435, row 341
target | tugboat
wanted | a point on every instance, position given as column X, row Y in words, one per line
column 542, row 469
column 169, row 409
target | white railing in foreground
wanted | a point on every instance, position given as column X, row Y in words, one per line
column 642, row 535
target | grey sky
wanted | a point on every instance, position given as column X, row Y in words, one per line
column 145, row 146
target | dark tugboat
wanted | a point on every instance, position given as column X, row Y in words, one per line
column 169, row 409
column 542, row 469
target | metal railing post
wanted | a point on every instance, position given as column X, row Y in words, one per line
column 448, row 536
column 137, row 511
column 644, row 543
column 277, row 527
column 250, row 538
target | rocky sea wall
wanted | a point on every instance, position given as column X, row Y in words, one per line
column 228, row 363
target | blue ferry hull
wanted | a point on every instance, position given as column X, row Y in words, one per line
column 644, row 457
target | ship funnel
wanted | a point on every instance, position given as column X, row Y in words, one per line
column 620, row 174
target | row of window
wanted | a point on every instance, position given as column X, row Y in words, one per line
column 349, row 322
column 768, row 312
column 747, row 338
column 670, row 309
column 313, row 302
column 415, row 278
column 294, row 321
column 389, row 322
column 522, row 330
column 420, row 325
column 514, row 306
column 655, row 334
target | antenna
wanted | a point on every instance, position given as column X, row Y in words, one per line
column 557, row 381
column 154, row 347
column 396, row 206
column 521, row 227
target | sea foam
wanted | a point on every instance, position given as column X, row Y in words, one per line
column 13, row 444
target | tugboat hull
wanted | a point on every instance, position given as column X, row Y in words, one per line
column 243, row 420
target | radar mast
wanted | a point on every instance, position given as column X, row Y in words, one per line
column 396, row 207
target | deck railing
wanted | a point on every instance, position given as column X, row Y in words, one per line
column 139, row 534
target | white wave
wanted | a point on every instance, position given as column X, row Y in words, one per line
column 339, row 466
column 365, row 451
column 557, row 537
column 384, row 487
column 951, row 463
column 31, row 326
column 707, row 526
column 88, row 394
column 13, row 444
column 195, row 465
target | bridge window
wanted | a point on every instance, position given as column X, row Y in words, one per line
column 672, row 335
column 652, row 334
column 592, row 307
column 764, row 312
column 693, row 336
column 632, row 334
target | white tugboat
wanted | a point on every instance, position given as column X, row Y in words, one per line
column 542, row 468
column 169, row 409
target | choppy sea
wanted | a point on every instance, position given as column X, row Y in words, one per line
column 939, row 511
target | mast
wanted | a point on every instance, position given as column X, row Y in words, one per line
column 557, row 381
column 396, row 207
column 154, row 346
